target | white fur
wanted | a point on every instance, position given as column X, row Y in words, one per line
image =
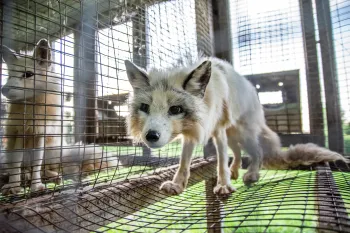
column 21, row 91
column 227, row 109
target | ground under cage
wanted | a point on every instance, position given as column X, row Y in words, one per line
column 75, row 94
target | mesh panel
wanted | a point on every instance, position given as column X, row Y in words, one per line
column 67, row 162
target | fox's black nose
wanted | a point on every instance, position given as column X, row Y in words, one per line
column 152, row 136
column 5, row 91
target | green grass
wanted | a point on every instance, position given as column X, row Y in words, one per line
column 347, row 144
column 282, row 201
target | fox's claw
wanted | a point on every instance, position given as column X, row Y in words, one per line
column 172, row 188
column 224, row 189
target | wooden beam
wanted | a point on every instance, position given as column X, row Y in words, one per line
column 334, row 121
column 312, row 73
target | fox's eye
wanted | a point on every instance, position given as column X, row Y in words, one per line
column 174, row 110
column 27, row 74
column 144, row 108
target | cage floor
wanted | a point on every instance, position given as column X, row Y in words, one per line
column 313, row 200
column 282, row 201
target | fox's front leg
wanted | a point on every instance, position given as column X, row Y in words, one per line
column 38, row 157
column 179, row 182
column 223, row 186
column 13, row 163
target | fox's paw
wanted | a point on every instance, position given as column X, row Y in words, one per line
column 172, row 188
column 37, row 187
column 234, row 173
column 12, row 188
column 251, row 177
column 224, row 189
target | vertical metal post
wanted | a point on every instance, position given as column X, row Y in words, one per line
column 204, row 26
column 139, row 50
column 139, row 38
column 209, row 39
column 334, row 122
column 85, row 75
column 222, row 32
column 213, row 208
column 332, row 213
column 312, row 73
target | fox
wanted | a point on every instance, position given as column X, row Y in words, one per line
column 207, row 99
column 34, row 123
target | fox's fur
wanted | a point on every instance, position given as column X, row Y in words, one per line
column 34, row 123
column 217, row 102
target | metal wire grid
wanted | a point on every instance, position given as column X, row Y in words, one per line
column 272, row 41
column 268, row 43
column 88, row 52
column 248, row 210
column 341, row 32
column 285, row 201
column 261, row 209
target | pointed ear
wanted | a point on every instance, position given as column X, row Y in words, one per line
column 42, row 53
column 8, row 55
column 137, row 77
column 198, row 79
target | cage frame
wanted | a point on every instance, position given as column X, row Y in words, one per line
column 330, row 203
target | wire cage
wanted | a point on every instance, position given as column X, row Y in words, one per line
column 72, row 100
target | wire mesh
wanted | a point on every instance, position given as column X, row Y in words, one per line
column 75, row 95
column 278, row 46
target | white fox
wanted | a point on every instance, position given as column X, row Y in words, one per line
column 34, row 121
column 209, row 99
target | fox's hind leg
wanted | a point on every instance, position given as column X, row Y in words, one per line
column 179, row 182
column 251, row 145
column 237, row 160
column 223, row 186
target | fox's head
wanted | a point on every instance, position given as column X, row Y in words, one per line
column 28, row 73
column 167, row 104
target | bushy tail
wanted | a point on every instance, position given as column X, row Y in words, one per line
column 299, row 154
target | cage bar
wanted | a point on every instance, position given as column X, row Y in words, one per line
column 293, row 52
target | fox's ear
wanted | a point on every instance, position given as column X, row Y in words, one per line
column 42, row 53
column 198, row 79
column 8, row 55
column 137, row 77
